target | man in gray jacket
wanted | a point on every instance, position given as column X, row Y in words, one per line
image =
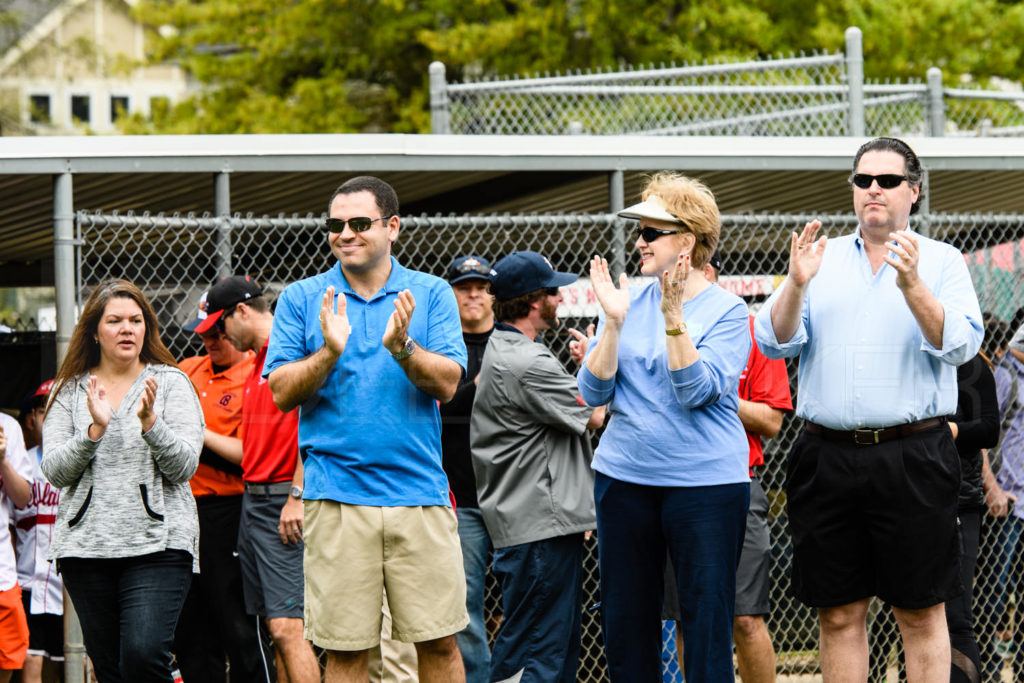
column 531, row 454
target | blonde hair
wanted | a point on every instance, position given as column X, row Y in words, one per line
column 690, row 201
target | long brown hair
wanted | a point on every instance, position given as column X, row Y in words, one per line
column 83, row 351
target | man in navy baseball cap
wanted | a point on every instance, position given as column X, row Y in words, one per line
column 523, row 272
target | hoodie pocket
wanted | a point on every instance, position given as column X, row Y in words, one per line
column 145, row 503
column 81, row 511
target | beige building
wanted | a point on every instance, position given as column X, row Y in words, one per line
column 75, row 66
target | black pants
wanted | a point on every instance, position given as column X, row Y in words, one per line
column 128, row 608
column 214, row 626
column 966, row 667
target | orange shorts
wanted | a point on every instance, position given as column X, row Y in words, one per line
column 13, row 629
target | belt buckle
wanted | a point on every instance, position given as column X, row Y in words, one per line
column 866, row 437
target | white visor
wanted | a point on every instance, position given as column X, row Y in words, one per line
column 653, row 209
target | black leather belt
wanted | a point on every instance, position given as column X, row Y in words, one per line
column 870, row 437
column 268, row 489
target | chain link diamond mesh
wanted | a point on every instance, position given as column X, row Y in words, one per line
column 793, row 96
column 174, row 258
column 801, row 95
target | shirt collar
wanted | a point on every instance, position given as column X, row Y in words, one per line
column 398, row 280
column 858, row 237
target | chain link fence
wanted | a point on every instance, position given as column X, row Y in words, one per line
column 174, row 258
column 807, row 95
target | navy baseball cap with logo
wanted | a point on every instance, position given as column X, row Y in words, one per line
column 522, row 272
column 468, row 268
column 225, row 294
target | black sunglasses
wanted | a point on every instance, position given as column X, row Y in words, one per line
column 552, row 291
column 358, row 224
column 650, row 234
column 886, row 181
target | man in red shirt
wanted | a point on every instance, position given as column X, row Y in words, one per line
column 270, row 535
column 213, row 627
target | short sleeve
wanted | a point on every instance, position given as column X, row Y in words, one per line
column 288, row 336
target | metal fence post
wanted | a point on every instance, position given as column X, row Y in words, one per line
column 222, row 208
column 924, row 213
column 855, row 79
column 936, row 103
column 617, row 202
column 440, row 123
column 64, row 259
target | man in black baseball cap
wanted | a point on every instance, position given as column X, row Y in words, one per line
column 222, row 297
column 527, row 422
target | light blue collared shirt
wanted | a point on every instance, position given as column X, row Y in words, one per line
column 864, row 361
column 674, row 427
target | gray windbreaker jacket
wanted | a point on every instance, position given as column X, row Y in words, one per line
column 128, row 493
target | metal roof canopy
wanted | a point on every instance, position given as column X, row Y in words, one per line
column 424, row 153
column 271, row 174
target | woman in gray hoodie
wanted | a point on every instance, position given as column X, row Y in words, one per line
column 122, row 436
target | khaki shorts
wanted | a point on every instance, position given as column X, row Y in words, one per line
column 355, row 552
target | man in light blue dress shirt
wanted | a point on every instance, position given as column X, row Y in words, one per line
column 880, row 318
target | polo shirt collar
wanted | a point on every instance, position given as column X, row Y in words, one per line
column 398, row 280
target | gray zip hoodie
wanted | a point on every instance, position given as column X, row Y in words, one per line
column 127, row 494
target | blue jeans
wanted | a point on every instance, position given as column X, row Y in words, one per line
column 128, row 608
column 472, row 640
column 702, row 528
column 542, row 598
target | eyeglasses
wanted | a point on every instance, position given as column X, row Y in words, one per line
column 886, row 181
column 358, row 224
column 552, row 291
column 650, row 234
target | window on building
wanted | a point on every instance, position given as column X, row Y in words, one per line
column 118, row 107
column 80, row 108
column 39, row 108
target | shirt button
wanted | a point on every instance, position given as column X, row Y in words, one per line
column 863, row 340
column 858, row 396
column 204, row 393
column 860, row 368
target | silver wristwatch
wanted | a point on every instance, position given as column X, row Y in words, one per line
column 406, row 351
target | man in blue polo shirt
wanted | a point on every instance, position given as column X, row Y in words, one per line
column 367, row 349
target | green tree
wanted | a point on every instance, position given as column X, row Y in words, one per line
column 358, row 66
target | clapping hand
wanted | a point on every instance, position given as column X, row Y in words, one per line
column 334, row 323
column 672, row 286
column 904, row 246
column 147, row 416
column 805, row 254
column 397, row 330
column 614, row 300
column 99, row 407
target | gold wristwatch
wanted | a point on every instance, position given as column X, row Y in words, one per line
column 677, row 330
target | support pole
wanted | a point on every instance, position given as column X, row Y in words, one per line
column 616, row 202
column 936, row 103
column 64, row 259
column 222, row 207
column 855, row 79
column 440, row 118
